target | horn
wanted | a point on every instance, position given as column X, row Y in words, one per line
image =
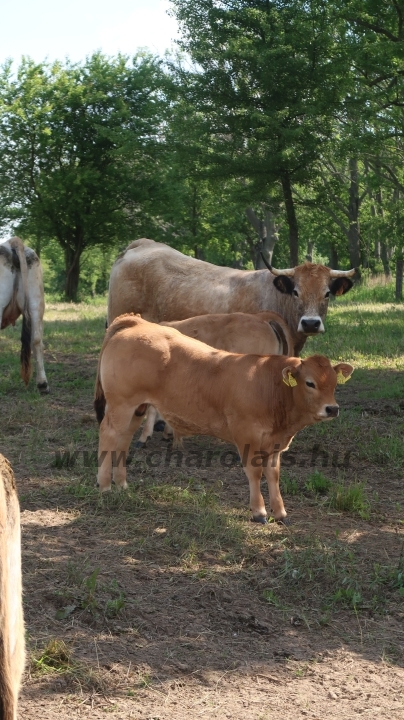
column 289, row 271
column 342, row 273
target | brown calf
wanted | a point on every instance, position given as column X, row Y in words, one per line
column 264, row 333
column 258, row 403
column 12, row 648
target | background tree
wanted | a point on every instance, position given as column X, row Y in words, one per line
column 77, row 150
column 269, row 75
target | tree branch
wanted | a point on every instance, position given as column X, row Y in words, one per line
column 376, row 28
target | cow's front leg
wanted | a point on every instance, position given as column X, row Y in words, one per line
column 253, row 469
column 272, row 471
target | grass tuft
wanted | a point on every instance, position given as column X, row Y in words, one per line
column 350, row 498
column 318, row 483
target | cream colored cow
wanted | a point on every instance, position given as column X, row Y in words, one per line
column 12, row 647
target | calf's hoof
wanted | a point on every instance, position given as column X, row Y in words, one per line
column 123, row 486
column 43, row 388
column 260, row 519
column 106, row 488
column 159, row 426
column 140, row 444
column 284, row 521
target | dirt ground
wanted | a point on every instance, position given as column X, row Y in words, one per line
column 167, row 603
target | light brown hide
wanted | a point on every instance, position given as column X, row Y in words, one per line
column 263, row 333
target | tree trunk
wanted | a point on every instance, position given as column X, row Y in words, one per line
column 309, row 254
column 384, row 256
column 353, row 213
column 291, row 220
column 399, row 278
column 72, row 265
column 267, row 236
column 333, row 258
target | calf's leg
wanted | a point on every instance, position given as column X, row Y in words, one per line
column 272, row 470
column 116, row 432
column 147, row 431
column 254, row 475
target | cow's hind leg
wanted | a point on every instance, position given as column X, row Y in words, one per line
column 147, row 431
column 116, row 432
column 36, row 307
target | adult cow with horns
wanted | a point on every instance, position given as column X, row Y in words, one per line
column 162, row 284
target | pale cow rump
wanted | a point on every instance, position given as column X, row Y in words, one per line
column 12, row 645
column 21, row 293
column 162, row 285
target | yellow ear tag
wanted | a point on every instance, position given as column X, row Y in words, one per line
column 341, row 379
column 290, row 381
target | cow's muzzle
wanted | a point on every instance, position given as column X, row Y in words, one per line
column 332, row 411
column 311, row 325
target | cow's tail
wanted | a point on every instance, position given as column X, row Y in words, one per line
column 99, row 397
column 120, row 323
column 7, row 700
column 284, row 337
column 26, row 334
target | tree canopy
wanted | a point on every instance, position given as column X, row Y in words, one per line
column 278, row 127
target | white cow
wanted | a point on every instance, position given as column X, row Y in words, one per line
column 21, row 293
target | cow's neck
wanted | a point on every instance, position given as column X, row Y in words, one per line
column 284, row 305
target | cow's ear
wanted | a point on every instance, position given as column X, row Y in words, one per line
column 284, row 284
column 289, row 374
column 340, row 286
column 344, row 372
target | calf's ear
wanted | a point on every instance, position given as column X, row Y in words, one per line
column 340, row 286
column 344, row 372
column 284, row 284
column 289, row 374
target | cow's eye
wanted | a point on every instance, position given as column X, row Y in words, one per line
column 327, row 294
column 310, row 384
column 295, row 293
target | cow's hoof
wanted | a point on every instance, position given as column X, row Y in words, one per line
column 260, row 519
column 140, row 444
column 43, row 388
column 284, row 521
column 159, row 426
column 169, row 439
column 104, row 489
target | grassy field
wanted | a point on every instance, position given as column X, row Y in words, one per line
column 165, row 601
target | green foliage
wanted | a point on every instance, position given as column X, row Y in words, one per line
column 350, row 498
column 54, row 658
column 77, row 150
column 318, row 483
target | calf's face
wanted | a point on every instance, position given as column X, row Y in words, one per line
column 314, row 381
